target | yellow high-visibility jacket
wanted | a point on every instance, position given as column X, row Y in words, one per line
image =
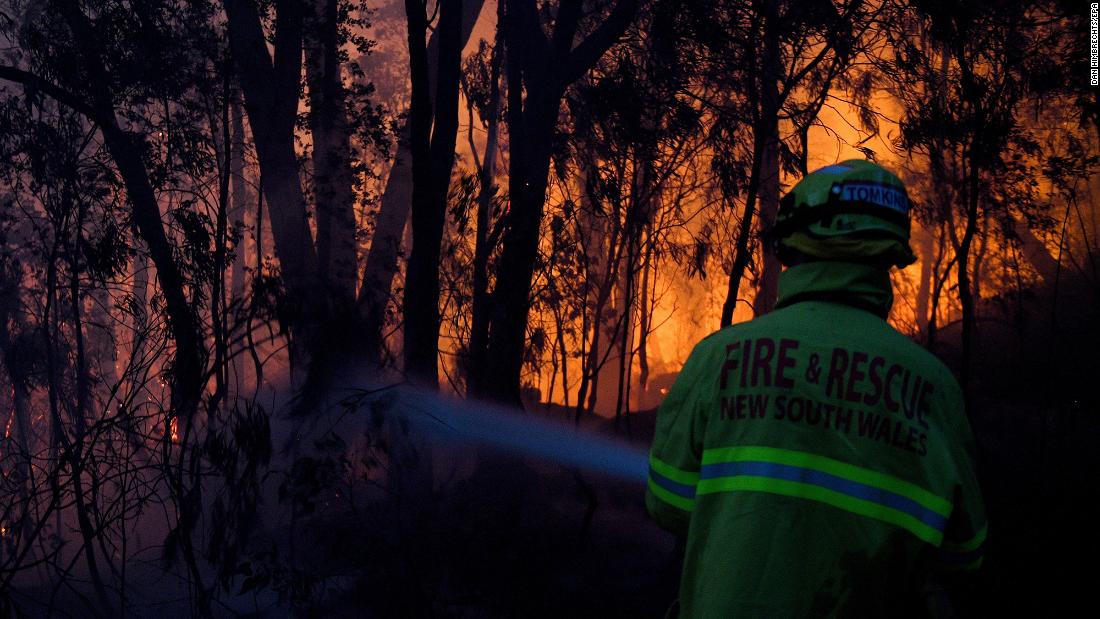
column 818, row 462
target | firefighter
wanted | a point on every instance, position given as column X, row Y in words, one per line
column 816, row 461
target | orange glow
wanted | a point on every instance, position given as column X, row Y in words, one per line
column 174, row 429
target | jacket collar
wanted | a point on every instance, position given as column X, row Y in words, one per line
column 858, row 285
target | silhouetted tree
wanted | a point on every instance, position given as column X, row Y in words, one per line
column 981, row 61
column 433, row 131
column 539, row 69
column 381, row 266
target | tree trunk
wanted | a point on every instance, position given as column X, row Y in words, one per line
column 126, row 151
column 240, row 214
column 102, row 339
column 626, row 339
column 381, row 264
column 979, row 258
column 242, row 198
column 765, row 105
column 620, row 285
column 963, row 264
column 939, row 280
column 741, row 248
column 479, row 321
column 638, row 218
column 527, row 178
column 433, row 137
column 1035, row 252
column 645, row 313
column 926, row 243
column 333, row 178
column 768, row 291
column 564, row 362
column 539, row 70
column 17, row 371
column 270, row 88
column 218, row 296
column 80, row 360
column 613, row 242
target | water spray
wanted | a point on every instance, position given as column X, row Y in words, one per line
column 480, row 423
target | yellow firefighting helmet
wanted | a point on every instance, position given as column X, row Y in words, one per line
column 851, row 211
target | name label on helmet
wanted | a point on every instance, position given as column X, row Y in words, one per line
column 887, row 196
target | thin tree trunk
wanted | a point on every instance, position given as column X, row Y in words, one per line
column 239, row 213
column 140, row 267
column 218, row 294
column 768, row 291
column 741, row 248
column 270, row 86
column 979, row 258
column 644, row 320
column 125, row 150
column 479, row 322
column 626, row 339
column 564, row 362
column 62, row 449
column 764, row 102
column 381, row 265
column 939, row 280
column 597, row 357
column 242, row 198
column 76, row 297
column 382, row 258
column 333, row 178
column 962, row 264
column 539, row 70
column 103, row 340
column 592, row 235
column 621, row 285
column 637, row 222
column 926, row 243
column 433, row 135
column 1035, row 252
column 10, row 304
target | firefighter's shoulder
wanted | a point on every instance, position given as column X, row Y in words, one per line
column 717, row 340
column 920, row 357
